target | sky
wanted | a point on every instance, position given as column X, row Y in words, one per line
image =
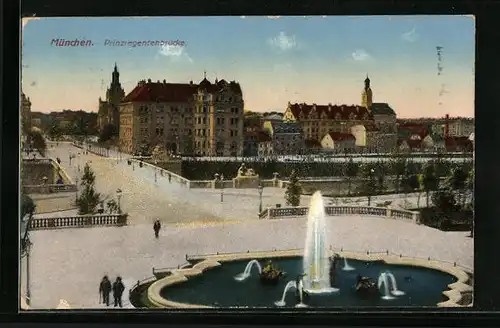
column 276, row 59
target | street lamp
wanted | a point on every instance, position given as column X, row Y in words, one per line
column 260, row 189
column 76, row 197
column 371, row 186
column 222, row 188
column 119, row 196
column 26, row 248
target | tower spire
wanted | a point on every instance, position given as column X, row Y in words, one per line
column 204, row 74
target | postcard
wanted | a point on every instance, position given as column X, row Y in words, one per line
column 247, row 162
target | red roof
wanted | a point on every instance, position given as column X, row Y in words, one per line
column 175, row 92
column 338, row 136
column 415, row 129
column 303, row 111
column 312, row 143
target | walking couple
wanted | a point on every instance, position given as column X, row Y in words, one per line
column 105, row 288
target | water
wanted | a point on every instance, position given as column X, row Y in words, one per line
column 316, row 262
column 347, row 267
column 388, row 280
column 290, row 285
column 217, row 287
column 246, row 273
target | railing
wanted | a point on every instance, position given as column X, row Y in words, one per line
column 49, row 188
column 286, row 212
column 180, row 179
column 43, row 161
column 79, row 221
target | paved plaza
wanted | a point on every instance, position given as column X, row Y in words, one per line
column 69, row 263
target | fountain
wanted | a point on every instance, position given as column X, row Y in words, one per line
column 316, row 261
column 246, row 273
column 390, row 286
column 395, row 291
column 383, row 279
column 347, row 267
column 292, row 284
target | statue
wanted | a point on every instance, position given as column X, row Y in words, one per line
column 250, row 173
column 270, row 274
column 366, row 285
column 242, row 170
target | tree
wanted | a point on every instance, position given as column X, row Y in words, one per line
column 398, row 167
column 351, row 170
column 159, row 154
column 368, row 182
column 429, row 181
column 54, row 131
column 89, row 199
column 379, row 172
column 108, row 131
column 457, row 181
column 469, row 185
column 293, row 190
column 38, row 141
column 27, row 209
column 445, row 203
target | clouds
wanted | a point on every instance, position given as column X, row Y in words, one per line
column 410, row 36
column 283, row 42
column 361, row 55
column 175, row 53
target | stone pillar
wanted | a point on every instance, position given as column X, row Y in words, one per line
column 268, row 212
column 415, row 218
column 275, row 179
column 389, row 211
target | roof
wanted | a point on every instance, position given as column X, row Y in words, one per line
column 338, row 136
column 176, row 92
column 382, row 109
column 312, row 143
column 286, row 127
column 302, row 111
column 273, row 117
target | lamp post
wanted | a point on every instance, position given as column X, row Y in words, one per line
column 26, row 248
column 76, row 197
column 222, row 188
column 119, row 196
column 260, row 189
column 371, row 185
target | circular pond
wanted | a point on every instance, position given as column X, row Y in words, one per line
column 217, row 287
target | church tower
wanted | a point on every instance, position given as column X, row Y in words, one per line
column 367, row 95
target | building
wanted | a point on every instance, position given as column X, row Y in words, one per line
column 383, row 115
column 265, row 145
column 25, row 113
column 36, row 122
column 203, row 119
column 109, row 109
column 252, row 129
column 459, row 127
column 338, row 142
column 274, row 118
column 318, row 120
column 287, row 137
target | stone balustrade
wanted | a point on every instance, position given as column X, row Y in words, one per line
column 387, row 212
column 175, row 177
column 49, row 188
column 79, row 221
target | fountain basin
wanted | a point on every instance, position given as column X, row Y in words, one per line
column 211, row 283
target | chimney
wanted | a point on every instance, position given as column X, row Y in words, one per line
column 149, row 80
column 446, row 125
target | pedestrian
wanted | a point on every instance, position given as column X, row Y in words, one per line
column 169, row 177
column 104, row 290
column 118, row 289
column 156, row 228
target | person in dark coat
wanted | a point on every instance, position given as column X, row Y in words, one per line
column 105, row 289
column 156, row 228
column 118, row 289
